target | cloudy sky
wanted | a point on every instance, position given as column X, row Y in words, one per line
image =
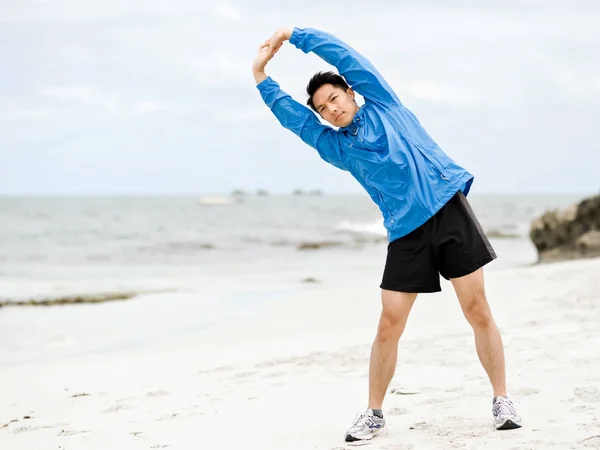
column 157, row 96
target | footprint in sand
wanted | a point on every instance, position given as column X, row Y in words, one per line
column 581, row 408
column 31, row 428
column 159, row 393
column 592, row 441
column 168, row 417
column 242, row 375
column 527, row 391
column 274, row 374
column 70, row 433
column 589, row 426
column 216, row 370
column 455, row 389
column 25, row 429
column 403, row 391
column 588, row 394
column 396, row 411
column 118, row 407
column 420, row 426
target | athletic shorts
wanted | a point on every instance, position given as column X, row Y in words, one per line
column 451, row 244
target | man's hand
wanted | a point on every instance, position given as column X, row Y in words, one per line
column 265, row 54
column 279, row 37
column 267, row 50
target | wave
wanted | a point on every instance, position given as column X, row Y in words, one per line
column 177, row 246
column 371, row 228
column 505, row 231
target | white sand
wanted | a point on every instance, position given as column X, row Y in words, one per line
column 294, row 373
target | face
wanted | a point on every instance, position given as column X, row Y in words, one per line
column 335, row 105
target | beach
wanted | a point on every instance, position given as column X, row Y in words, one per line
column 190, row 259
column 281, row 362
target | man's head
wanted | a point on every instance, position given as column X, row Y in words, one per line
column 331, row 97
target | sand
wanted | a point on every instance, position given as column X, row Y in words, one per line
column 290, row 372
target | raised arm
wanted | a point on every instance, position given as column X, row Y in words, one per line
column 358, row 71
column 293, row 115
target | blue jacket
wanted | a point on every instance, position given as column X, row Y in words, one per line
column 385, row 148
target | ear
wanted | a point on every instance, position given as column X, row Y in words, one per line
column 350, row 92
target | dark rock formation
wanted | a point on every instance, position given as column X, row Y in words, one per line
column 570, row 233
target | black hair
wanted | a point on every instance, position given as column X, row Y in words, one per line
column 321, row 78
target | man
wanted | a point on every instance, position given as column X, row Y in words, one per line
column 420, row 191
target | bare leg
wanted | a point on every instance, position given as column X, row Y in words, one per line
column 470, row 291
column 396, row 307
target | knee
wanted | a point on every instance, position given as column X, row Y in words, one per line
column 477, row 311
column 391, row 326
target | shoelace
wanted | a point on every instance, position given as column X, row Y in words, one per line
column 363, row 420
column 504, row 407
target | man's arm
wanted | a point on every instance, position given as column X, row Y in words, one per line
column 358, row 71
column 293, row 115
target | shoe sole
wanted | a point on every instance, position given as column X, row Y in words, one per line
column 508, row 425
column 350, row 438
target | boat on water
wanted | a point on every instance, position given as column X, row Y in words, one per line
column 217, row 200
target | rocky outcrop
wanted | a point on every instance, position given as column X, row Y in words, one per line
column 570, row 233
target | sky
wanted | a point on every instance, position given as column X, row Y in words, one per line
column 156, row 97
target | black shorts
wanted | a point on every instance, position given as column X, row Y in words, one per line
column 451, row 244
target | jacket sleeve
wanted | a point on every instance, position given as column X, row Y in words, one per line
column 358, row 71
column 302, row 121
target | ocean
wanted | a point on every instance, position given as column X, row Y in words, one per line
column 54, row 246
column 198, row 264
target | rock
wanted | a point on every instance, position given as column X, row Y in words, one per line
column 571, row 233
column 591, row 239
column 310, row 280
column 318, row 245
column 69, row 300
column 497, row 234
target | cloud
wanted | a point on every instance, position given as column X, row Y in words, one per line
column 84, row 95
column 439, row 92
column 74, row 92
column 488, row 78
column 31, row 11
column 245, row 115
column 29, row 114
column 228, row 12
column 150, row 106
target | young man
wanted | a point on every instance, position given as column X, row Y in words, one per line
column 420, row 191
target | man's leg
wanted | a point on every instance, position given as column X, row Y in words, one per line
column 471, row 295
column 470, row 291
column 396, row 307
column 409, row 269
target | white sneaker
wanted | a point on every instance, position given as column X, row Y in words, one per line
column 365, row 426
column 506, row 416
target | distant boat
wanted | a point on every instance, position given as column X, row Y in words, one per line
column 219, row 200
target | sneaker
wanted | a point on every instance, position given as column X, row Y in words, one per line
column 365, row 426
column 505, row 414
